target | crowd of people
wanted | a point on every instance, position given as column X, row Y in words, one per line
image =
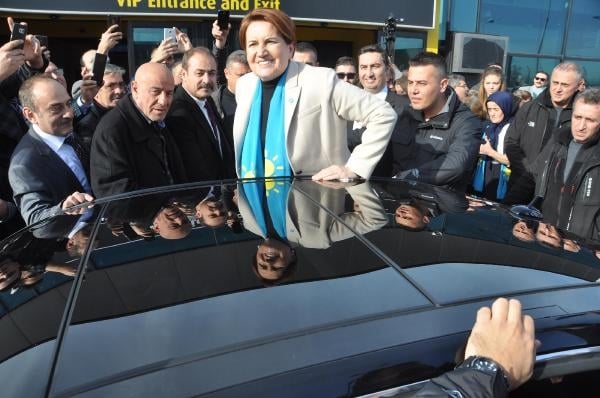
column 270, row 110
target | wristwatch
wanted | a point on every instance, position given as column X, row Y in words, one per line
column 491, row 367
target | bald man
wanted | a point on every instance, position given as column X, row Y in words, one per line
column 132, row 148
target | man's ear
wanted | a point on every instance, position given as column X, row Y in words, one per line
column 134, row 88
column 444, row 84
column 29, row 114
column 426, row 219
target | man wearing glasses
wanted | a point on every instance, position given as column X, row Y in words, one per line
column 460, row 86
column 345, row 69
column 373, row 65
column 539, row 84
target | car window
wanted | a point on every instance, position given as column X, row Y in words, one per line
column 189, row 274
column 37, row 269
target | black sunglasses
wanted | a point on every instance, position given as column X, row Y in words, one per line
column 342, row 75
column 540, row 78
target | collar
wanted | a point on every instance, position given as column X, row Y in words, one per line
column 53, row 141
column 200, row 102
column 545, row 99
column 146, row 118
column 442, row 119
column 382, row 94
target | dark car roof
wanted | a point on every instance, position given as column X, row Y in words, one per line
column 166, row 300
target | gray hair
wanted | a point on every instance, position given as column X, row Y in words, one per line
column 238, row 56
column 570, row 67
column 589, row 96
column 454, row 79
column 112, row 69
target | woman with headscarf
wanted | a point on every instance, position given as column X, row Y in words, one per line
column 492, row 171
column 291, row 118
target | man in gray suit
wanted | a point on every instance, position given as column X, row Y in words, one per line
column 48, row 169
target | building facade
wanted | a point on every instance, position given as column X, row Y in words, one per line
column 542, row 33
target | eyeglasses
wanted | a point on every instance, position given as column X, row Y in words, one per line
column 342, row 75
column 542, row 79
column 462, row 86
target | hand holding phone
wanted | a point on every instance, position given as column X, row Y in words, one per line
column 170, row 33
column 98, row 68
column 223, row 19
column 114, row 20
column 43, row 40
column 19, row 32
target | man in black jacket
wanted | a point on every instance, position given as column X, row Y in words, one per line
column 197, row 128
column 437, row 140
column 132, row 148
column 535, row 124
column 373, row 65
column 112, row 90
column 236, row 66
column 569, row 171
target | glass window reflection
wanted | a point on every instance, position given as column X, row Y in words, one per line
column 523, row 69
column 533, row 26
column 582, row 38
column 591, row 71
column 463, row 15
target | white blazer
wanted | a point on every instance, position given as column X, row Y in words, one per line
column 317, row 107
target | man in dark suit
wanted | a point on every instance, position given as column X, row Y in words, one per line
column 373, row 65
column 132, row 148
column 48, row 169
column 194, row 122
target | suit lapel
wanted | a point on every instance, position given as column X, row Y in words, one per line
column 45, row 151
column 292, row 94
column 199, row 117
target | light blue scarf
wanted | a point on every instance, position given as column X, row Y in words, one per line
column 274, row 161
column 276, row 194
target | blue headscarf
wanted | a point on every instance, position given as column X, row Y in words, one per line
column 505, row 102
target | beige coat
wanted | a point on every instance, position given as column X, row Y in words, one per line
column 317, row 108
column 309, row 225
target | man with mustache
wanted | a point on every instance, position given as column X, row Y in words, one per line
column 198, row 130
column 132, row 148
column 48, row 169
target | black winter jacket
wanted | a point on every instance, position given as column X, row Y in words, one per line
column 572, row 205
column 531, row 129
column 129, row 154
column 461, row 383
column 441, row 151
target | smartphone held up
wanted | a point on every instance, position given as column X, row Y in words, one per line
column 170, row 33
column 223, row 19
column 19, row 32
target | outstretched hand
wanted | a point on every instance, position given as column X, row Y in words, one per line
column 506, row 336
column 335, row 172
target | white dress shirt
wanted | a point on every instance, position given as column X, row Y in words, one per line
column 67, row 154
